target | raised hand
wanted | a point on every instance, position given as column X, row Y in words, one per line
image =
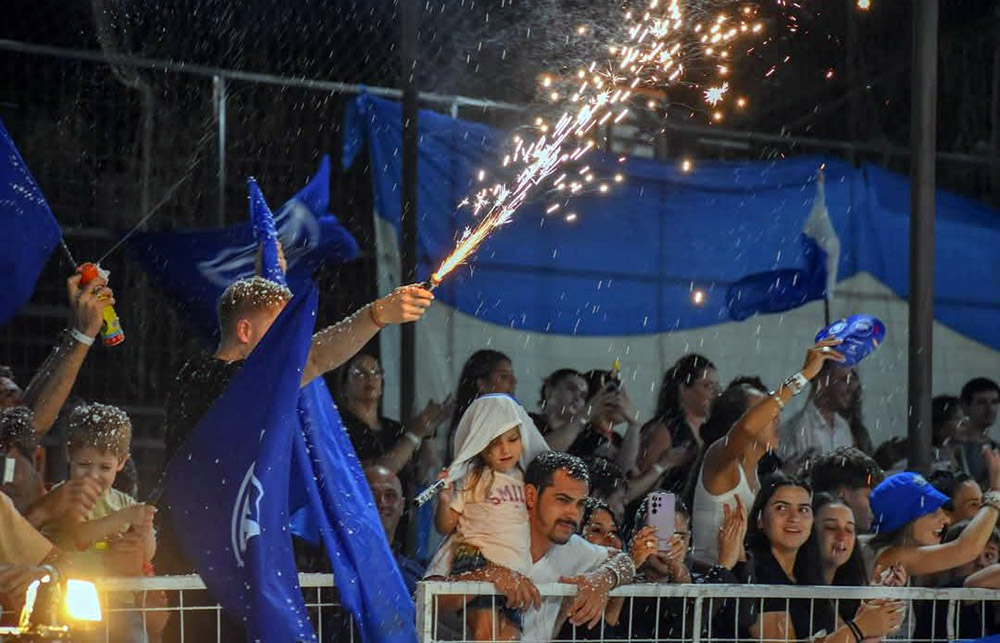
column 731, row 534
column 821, row 352
column 643, row 545
column 87, row 303
column 432, row 415
column 404, row 304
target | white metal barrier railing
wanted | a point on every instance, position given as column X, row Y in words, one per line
column 711, row 613
column 188, row 601
column 699, row 613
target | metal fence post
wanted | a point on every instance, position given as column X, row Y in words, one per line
column 696, row 626
column 219, row 114
column 425, row 613
column 922, row 169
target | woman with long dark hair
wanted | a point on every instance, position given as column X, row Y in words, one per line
column 832, row 547
column 486, row 371
column 376, row 438
column 672, row 439
column 780, row 523
column 741, row 430
column 686, row 395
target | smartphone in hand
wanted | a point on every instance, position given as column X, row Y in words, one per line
column 660, row 507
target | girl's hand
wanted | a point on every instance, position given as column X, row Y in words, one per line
column 678, row 455
column 731, row 534
column 626, row 411
column 602, row 404
column 892, row 576
column 643, row 545
column 821, row 352
column 675, row 555
column 447, row 494
column 879, row 617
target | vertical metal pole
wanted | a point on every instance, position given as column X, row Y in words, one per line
column 409, row 16
column 995, row 111
column 696, row 628
column 219, row 112
column 922, row 132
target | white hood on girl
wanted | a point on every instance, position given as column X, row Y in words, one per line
column 487, row 418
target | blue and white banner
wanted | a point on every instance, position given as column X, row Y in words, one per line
column 775, row 291
column 193, row 267
column 642, row 273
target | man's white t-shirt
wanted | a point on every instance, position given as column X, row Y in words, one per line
column 808, row 433
column 575, row 557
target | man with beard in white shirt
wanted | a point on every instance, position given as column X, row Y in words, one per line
column 555, row 488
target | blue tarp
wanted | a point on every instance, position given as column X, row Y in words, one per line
column 628, row 263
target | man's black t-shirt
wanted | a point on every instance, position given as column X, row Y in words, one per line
column 197, row 386
column 369, row 444
column 587, row 443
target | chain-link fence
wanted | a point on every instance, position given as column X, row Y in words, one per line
column 177, row 144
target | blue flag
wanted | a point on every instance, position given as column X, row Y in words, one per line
column 193, row 267
column 329, row 497
column 28, row 231
column 367, row 576
column 227, row 487
column 776, row 291
column 265, row 233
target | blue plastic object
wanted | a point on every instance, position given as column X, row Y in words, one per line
column 860, row 335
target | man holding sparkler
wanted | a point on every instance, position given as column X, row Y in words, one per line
column 247, row 309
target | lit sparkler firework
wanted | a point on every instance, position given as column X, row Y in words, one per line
column 658, row 43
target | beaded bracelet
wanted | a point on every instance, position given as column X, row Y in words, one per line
column 374, row 316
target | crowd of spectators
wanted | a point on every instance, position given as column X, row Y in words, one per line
column 558, row 494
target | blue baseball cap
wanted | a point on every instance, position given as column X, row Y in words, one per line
column 901, row 499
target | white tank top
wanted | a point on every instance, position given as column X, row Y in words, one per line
column 707, row 515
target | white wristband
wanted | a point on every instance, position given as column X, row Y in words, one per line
column 80, row 337
column 796, row 383
column 412, row 437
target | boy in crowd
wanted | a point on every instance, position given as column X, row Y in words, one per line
column 846, row 473
column 116, row 536
column 98, row 446
column 981, row 401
